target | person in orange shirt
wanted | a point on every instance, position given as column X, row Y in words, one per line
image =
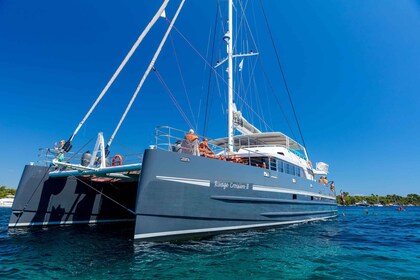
column 191, row 136
column 193, row 143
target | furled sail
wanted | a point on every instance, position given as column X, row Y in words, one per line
column 241, row 124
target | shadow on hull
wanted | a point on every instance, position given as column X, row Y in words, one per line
column 41, row 200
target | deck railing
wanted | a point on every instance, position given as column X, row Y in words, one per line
column 47, row 155
column 172, row 139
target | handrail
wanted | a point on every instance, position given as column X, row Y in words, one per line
column 169, row 139
column 47, row 155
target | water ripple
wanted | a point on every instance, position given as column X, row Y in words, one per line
column 383, row 244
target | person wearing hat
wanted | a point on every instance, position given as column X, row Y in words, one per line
column 191, row 136
column 192, row 143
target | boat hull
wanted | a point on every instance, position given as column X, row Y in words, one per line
column 6, row 202
column 183, row 196
column 41, row 200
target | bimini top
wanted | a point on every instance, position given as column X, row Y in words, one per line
column 263, row 140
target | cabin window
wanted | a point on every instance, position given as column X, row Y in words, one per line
column 273, row 164
column 280, row 166
column 312, row 198
column 295, row 196
column 292, row 169
column 298, row 172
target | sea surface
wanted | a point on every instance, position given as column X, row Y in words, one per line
column 362, row 243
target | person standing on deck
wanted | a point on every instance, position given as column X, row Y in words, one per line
column 193, row 139
column 59, row 150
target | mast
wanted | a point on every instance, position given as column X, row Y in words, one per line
column 235, row 118
column 229, row 41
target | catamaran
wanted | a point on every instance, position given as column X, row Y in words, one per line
column 175, row 190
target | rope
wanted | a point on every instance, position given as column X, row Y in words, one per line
column 101, row 193
column 78, row 151
column 282, row 75
column 277, row 99
column 165, row 86
column 117, row 72
column 183, row 82
column 211, row 72
column 32, row 195
column 247, row 23
column 220, row 76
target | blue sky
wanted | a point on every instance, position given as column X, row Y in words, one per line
column 352, row 68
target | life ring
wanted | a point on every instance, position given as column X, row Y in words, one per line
column 117, row 160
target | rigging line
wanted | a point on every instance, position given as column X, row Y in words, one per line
column 247, row 23
column 267, row 100
column 211, row 72
column 258, row 100
column 146, row 73
column 221, row 96
column 78, row 151
column 283, row 75
column 199, row 54
column 277, row 99
column 238, row 27
column 183, row 81
column 130, row 150
column 252, row 75
column 165, row 86
column 117, row 72
column 101, row 193
column 32, row 195
column 221, row 18
column 203, row 92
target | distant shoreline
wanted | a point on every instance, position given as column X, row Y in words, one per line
column 5, row 191
column 372, row 200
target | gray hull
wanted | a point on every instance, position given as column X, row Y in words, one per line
column 183, row 196
column 41, row 200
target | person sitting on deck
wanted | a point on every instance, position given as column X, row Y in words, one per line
column 205, row 149
column 325, row 181
column 177, row 147
column 321, row 180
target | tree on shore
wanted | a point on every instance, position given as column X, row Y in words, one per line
column 410, row 199
column 4, row 191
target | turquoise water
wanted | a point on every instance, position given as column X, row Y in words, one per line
column 383, row 244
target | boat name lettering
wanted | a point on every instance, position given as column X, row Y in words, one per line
column 231, row 185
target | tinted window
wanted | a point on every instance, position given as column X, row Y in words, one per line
column 273, row 164
column 280, row 166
